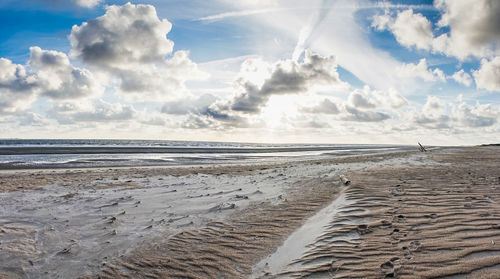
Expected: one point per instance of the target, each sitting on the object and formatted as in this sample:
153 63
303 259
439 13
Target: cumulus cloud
17 87
392 98
474 28
199 105
410 29
91 111
472 117
326 107
361 105
433 114
50 74
215 120
260 81
359 100
367 98
33 119
58 79
421 70
354 114
434 107
436 114
462 77
256 83
124 36
488 75
130 44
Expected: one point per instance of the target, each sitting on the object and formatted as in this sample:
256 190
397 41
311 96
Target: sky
279 71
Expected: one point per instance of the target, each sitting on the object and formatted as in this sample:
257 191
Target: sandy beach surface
404 215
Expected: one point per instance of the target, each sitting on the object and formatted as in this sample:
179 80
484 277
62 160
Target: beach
405 214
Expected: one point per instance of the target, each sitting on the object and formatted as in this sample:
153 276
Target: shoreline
32 150
111 157
10 179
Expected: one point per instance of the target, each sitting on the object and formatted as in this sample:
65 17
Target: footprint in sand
364 229
390 268
414 245
407 253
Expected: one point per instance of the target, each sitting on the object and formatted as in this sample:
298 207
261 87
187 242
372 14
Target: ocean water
20 154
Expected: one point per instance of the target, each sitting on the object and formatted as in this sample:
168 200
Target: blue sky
263 71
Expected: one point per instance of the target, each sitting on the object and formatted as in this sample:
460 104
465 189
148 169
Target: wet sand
405 215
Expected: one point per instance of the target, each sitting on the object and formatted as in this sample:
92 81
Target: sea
84 153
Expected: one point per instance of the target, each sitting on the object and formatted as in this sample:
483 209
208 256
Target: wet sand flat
405 215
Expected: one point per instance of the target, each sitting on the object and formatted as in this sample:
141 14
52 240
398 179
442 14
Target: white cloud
88 3
462 115
58 79
488 75
52 76
124 37
422 71
472 117
193 105
359 100
259 80
410 29
71 3
462 77
392 98
91 111
32 119
434 107
247 12
130 43
433 114
473 28
361 106
369 98
17 87
354 114
326 107
382 22
250 3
